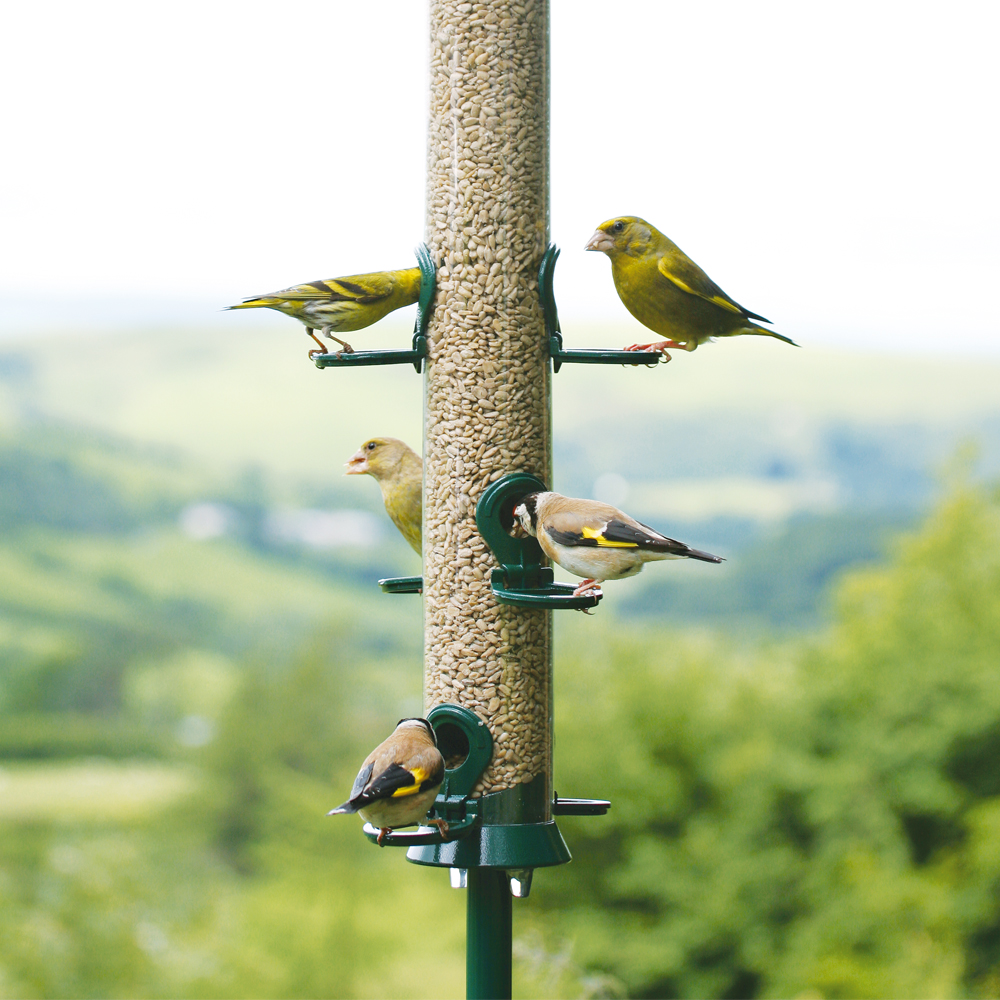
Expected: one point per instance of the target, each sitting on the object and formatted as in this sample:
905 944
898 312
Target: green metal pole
488 935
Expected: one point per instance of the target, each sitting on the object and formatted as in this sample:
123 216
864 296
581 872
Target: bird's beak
357 464
600 241
517 529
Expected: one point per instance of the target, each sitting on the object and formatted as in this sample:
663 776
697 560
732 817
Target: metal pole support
488 935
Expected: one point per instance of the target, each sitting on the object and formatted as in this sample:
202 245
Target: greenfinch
399 472
399 780
342 304
595 540
667 291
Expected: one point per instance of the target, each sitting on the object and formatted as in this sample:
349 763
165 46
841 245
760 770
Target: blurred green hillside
194 658
815 818
808 457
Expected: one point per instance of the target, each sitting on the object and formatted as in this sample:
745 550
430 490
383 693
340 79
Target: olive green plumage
399 472
667 291
342 304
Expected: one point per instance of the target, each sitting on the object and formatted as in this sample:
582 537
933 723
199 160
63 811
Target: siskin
667 291
595 540
399 780
399 472
342 304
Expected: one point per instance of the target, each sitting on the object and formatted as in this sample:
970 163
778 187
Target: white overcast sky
832 165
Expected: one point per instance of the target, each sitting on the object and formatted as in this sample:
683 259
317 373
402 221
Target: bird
399 780
667 291
342 304
399 472
595 540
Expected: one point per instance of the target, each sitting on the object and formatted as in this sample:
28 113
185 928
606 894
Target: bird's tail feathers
762 332
704 556
343 810
262 302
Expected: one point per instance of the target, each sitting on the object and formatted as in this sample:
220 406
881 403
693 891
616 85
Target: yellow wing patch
717 300
419 774
607 543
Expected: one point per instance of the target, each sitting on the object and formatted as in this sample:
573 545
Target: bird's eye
618 226
371 445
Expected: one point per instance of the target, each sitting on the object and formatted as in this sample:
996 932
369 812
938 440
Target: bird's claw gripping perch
660 346
442 826
322 346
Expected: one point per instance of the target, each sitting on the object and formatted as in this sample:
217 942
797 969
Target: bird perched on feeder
399 779
667 291
342 305
399 472
595 540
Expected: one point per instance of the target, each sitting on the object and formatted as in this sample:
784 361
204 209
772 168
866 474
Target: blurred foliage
818 819
778 583
812 816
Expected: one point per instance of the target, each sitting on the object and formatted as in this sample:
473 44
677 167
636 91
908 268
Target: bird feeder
487 339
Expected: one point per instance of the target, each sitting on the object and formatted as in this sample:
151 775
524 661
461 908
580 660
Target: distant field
99 791
728 448
254 398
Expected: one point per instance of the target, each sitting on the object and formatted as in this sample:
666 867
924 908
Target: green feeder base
525 845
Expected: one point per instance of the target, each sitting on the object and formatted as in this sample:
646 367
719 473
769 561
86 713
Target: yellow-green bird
399 472
342 304
667 291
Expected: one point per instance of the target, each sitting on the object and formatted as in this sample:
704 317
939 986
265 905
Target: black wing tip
704 556
343 810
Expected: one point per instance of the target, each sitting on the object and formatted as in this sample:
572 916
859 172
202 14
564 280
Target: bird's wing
567 528
351 805
591 529
364 776
397 781
678 268
364 289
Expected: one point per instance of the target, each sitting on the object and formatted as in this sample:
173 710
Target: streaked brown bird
342 305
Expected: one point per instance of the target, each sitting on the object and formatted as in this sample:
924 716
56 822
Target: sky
831 166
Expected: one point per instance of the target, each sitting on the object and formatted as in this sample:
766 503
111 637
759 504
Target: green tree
816 818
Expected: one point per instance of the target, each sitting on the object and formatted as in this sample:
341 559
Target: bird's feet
442 826
322 346
383 832
660 347
589 588
345 347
